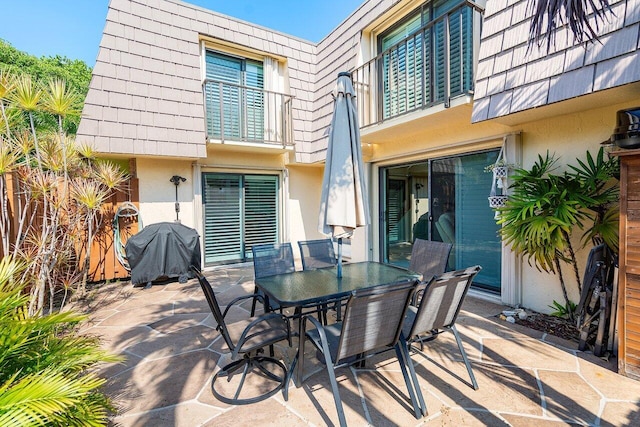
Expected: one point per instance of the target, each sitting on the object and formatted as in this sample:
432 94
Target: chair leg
464 357
290 376
334 384
247 365
253 303
412 382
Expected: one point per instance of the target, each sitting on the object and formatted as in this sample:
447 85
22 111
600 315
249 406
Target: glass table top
312 286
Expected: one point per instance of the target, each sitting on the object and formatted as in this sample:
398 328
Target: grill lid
627 131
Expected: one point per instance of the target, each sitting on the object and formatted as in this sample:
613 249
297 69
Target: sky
73 28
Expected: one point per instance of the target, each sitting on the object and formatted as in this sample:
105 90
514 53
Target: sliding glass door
445 199
239 212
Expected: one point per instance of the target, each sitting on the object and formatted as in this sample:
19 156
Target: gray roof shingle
542 77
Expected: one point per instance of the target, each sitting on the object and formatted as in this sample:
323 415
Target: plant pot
500 171
497 201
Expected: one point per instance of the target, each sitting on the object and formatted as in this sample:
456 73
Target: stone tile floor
172 350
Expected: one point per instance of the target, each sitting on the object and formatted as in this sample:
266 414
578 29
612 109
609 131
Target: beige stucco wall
158 195
305 187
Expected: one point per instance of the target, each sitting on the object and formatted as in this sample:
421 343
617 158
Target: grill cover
161 251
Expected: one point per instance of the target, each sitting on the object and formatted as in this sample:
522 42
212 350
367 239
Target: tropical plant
601 194
46 373
75 74
61 188
563 311
545 208
579 15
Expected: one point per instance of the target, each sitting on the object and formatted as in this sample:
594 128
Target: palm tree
545 208
549 15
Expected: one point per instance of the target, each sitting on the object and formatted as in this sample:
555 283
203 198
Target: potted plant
500 168
545 207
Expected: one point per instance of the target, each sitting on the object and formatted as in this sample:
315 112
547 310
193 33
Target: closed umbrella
344 205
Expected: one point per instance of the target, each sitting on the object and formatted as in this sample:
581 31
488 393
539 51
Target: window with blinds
239 212
417 56
234 97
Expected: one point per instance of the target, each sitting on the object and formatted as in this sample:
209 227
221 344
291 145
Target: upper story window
426 58
243 101
234 97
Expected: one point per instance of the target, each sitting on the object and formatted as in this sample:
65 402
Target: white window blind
239 212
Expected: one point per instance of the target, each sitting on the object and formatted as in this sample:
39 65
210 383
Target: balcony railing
246 114
429 67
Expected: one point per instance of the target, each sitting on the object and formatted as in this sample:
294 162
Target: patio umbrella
343 205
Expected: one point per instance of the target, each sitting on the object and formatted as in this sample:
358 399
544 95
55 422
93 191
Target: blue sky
73 28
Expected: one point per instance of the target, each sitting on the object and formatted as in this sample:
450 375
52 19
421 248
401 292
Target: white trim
511 271
485 296
198 221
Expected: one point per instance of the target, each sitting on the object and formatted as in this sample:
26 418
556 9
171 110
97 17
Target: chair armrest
417 295
240 298
316 324
301 343
321 332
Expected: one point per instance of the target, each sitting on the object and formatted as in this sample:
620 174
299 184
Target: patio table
311 288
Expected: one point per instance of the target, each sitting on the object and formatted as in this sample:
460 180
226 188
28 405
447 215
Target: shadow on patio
172 349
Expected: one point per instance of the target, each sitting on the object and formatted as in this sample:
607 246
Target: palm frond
40 398
548 16
110 175
7 84
88 194
60 99
27 93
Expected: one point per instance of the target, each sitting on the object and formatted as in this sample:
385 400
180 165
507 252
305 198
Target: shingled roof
511 78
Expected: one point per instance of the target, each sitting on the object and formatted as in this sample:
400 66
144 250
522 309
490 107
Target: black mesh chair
371 324
428 258
317 254
268 260
437 313
247 338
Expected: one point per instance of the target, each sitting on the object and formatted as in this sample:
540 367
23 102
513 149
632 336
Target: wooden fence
104 264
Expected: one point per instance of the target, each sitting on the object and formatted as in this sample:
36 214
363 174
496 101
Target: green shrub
46 366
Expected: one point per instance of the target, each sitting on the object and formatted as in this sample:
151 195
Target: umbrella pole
339 257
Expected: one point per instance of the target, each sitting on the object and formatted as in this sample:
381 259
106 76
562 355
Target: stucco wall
158 194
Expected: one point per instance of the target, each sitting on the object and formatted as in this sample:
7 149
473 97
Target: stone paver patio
172 350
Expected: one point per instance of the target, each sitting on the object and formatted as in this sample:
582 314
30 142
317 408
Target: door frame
511 274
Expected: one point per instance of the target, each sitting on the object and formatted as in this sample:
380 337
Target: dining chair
317 254
437 313
248 338
270 259
371 324
428 258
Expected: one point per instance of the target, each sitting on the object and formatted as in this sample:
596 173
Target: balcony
247 115
429 67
